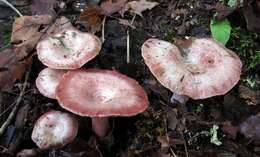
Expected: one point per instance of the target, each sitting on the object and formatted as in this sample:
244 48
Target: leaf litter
164 125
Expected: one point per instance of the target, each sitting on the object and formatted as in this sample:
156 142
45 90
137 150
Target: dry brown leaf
251 127
252 17
222 10
43 7
228 128
165 145
25 32
159 154
91 19
59 25
110 7
11 68
252 97
139 6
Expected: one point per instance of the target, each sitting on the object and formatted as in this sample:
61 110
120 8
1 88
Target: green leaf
220 30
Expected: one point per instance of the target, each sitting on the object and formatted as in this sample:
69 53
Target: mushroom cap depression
101 93
202 68
47 81
69 49
54 129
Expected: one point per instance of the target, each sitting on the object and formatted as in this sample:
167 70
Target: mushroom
100 94
69 49
200 68
54 129
47 81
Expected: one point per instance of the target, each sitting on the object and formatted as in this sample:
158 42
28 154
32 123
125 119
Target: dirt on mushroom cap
69 49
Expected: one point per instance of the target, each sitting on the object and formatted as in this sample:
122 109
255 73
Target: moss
246 45
168 31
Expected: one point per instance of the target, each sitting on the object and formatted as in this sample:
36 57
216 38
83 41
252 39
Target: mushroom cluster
94 93
197 68
65 50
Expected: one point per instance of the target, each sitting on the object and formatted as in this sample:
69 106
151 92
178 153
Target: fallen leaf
139 6
220 30
11 68
172 120
159 154
28 152
59 25
252 97
252 17
25 32
228 128
7 137
91 19
251 127
110 7
157 88
222 10
43 7
165 145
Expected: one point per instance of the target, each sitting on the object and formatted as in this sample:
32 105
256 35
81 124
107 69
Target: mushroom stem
100 126
176 98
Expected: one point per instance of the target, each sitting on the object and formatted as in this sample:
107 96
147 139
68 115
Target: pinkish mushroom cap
47 81
69 49
101 93
54 129
203 68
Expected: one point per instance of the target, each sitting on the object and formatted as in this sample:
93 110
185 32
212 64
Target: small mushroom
47 81
100 94
69 49
199 68
54 129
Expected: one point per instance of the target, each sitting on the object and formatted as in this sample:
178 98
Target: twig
7 109
11 6
167 138
16 106
127 46
128 41
185 145
99 152
103 29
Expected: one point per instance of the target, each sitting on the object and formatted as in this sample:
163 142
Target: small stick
16 106
185 145
127 46
128 42
167 138
11 6
103 29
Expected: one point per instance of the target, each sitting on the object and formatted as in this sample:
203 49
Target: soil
164 129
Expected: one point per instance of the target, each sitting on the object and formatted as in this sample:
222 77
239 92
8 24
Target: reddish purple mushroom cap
101 93
202 68
69 49
47 81
54 129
